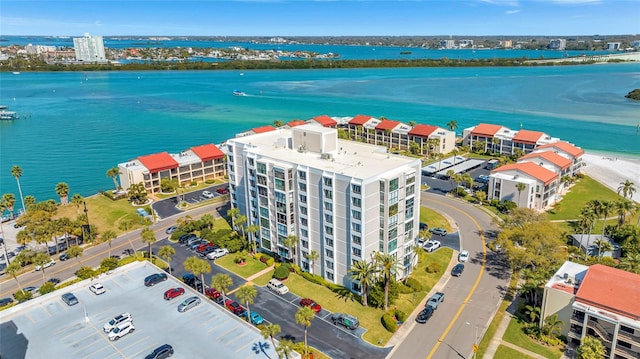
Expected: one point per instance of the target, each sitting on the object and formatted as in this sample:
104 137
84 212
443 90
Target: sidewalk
252 277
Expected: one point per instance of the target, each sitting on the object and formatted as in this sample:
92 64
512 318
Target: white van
277 286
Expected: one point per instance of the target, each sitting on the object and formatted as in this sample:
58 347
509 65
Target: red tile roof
536 171
564 287
325 121
486 130
263 129
552 157
387 125
566 147
422 130
207 152
359 120
295 123
527 136
611 289
158 162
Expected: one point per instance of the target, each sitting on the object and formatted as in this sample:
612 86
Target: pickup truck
345 320
435 300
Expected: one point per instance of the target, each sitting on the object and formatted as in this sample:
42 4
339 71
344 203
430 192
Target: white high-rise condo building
89 48
344 200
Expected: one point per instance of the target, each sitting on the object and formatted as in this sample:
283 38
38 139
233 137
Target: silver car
188 304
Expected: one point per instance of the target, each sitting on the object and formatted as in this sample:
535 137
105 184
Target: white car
207 194
117 320
220 252
97 288
46 265
463 256
277 286
431 245
121 330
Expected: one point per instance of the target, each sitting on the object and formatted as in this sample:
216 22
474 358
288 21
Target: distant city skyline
321 18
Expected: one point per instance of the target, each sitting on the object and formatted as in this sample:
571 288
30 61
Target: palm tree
62 190
251 231
624 207
75 252
233 213
533 312
603 247
269 331
16 172
167 252
40 260
137 193
631 263
605 208
198 267
553 326
291 242
8 202
13 269
241 222
520 187
627 188
452 125
451 176
312 256
222 282
77 200
207 220
113 173
29 201
304 315
108 236
285 348
363 272
148 237
388 266
247 294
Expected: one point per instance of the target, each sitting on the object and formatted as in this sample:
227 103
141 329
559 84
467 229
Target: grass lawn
252 267
504 352
370 317
582 192
493 327
263 279
515 335
434 219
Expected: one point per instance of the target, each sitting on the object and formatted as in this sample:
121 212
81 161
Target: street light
86 214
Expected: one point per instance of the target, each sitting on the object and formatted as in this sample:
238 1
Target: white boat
16 72
238 93
7 115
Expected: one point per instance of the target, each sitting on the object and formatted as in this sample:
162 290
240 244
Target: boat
238 93
16 72
7 115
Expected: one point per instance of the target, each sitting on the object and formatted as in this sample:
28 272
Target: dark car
5 301
222 190
70 299
173 293
64 257
154 279
162 352
306 302
423 226
234 307
348 321
192 281
186 237
424 315
457 270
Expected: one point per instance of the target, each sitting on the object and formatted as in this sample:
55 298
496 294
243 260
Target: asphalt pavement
169 207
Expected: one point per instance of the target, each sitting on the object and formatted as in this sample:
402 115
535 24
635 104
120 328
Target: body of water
76 125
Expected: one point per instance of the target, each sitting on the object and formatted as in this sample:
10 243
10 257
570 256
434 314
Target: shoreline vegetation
634 95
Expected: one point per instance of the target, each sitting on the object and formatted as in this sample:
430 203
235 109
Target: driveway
168 207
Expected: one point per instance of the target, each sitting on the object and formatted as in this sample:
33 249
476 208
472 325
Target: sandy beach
611 171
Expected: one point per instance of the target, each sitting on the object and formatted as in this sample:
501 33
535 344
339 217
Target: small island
634 95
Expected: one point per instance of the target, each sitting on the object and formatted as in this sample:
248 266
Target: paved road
471 299
167 207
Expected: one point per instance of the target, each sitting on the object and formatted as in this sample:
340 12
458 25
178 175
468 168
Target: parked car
208 250
463 256
63 257
70 299
46 265
220 252
196 243
233 306
207 194
431 245
222 190
192 281
5 301
423 226
31 289
173 293
204 246
212 293
277 286
457 270
121 330
348 321
306 302
115 321
255 319
424 315
435 300
154 279
97 288
171 229
438 231
162 352
188 303
186 237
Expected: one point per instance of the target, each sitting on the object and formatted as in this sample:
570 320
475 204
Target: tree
13 269
304 315
62 190
312 256
8 202
363 272
148 237
222 282
533 313
247 294
270 331
75 252
113 173
108 236
291 242
233 213
520 187
40 260
29 201
251 231
77 200
167 252
631 263
590 348
605 208
552 325
16 172
388 266
284 348
207 220
451 176
603 247
137 193
627 188
452 125
622 208
198 267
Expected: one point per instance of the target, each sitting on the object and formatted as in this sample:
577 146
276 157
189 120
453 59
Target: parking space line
103 347
136 342
29 317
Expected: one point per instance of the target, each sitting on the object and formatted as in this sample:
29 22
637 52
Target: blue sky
320 17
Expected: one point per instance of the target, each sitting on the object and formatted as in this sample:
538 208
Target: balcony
628 337
600 331
626 353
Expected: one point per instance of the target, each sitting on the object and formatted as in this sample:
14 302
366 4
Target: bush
22 296
241 257
389 323
68 283
434 267
85 273
258 256
210 181
400 315
109 264
281 273
270 262
375 297
413 284
47 287
403 289
193 183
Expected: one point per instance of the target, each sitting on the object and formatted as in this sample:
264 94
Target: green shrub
403 289
270 262
85 273
413 284
434 267
375 298
210 181
22 296
258 257
109 264
400 315
241 257
47 287
193 183
68 283
389 323
281 273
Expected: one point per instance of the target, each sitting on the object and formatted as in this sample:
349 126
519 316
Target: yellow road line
475 285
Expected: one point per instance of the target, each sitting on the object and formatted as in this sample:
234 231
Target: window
356 227
329 242
303 198
264 222
251 162
328 263
381 186
356 239
302 175
278 173
356 252
393 209
328 218
328 253
304 233
356 214
328 230
264 212
329 275
356 202
411 179
262 168
409 191
393 197
281 197
356 189
393 185
328 194
303 221
328 206
327 181
279 184
393 245
282 229
305 244
302 186
303 210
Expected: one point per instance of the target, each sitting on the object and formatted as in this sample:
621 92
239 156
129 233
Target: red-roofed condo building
502 140
198 164
597 301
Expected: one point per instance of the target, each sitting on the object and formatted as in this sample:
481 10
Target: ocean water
76 125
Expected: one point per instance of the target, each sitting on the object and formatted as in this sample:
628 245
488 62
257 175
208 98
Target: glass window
329 242
328 206
328 194
327 181
328 218
329 253
329 275
279 184
393 245
328 230
356 189
262 168
356 252
302 175
356 202
304 233
355 227
356 239
302 186
303 198
393 185
356 214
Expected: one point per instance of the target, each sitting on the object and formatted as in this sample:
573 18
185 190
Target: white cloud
576 2
509 12
513 3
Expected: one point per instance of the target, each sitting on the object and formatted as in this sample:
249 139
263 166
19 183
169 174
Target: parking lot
47 327
168 207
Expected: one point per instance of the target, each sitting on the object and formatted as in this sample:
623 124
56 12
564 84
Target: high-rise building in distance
89 48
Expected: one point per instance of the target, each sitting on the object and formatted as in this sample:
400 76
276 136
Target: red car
222 190
173 293
202 247
211 293
306 302
233 306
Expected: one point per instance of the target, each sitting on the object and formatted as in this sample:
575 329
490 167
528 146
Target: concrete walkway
252 277
497 340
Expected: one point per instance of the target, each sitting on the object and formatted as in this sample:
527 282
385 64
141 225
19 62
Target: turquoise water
77 125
